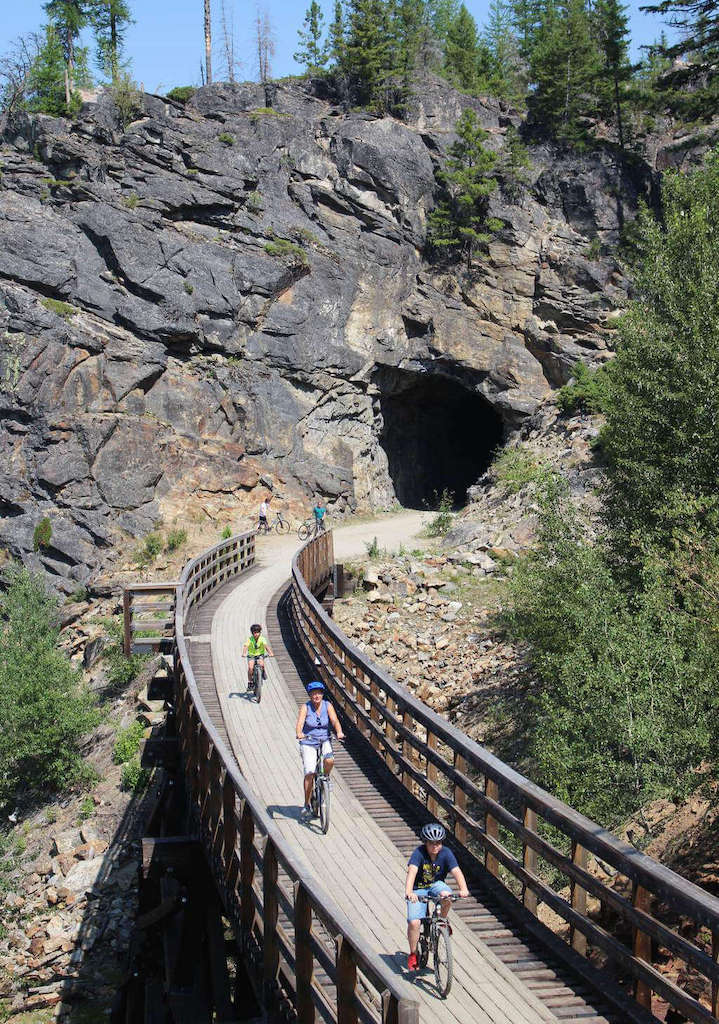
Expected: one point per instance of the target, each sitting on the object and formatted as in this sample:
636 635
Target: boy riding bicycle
427 869
314 720
255 648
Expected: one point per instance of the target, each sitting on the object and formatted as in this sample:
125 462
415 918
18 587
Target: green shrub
226 532
189 288
175 539
441 523
150 549
42 535
120 670
181 93
283 247
517 467
127 99
226 138
259 112
594 249
127 743
45 711
588 391
63 309
87 808
254 202
131 201
373 548
134 778
79 595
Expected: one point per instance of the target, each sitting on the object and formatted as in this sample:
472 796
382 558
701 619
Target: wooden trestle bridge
319 920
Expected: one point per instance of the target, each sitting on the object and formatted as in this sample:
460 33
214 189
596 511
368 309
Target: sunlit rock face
226 291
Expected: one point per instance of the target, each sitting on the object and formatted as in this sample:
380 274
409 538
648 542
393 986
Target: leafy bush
517 467
149 550
44 710
134 777
42 534
181 93
127 743
441 523
87 808
588 391
594 250
127 100
226 138
120 670
282 247
175 539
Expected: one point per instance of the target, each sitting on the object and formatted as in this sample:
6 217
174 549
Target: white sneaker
306 813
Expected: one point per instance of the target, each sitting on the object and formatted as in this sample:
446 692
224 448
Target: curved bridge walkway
499 975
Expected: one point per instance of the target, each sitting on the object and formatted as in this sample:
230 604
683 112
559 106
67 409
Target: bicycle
320 798
258 676
435 937
310 528
279 525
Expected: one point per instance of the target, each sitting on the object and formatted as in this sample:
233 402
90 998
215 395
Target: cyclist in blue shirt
427 869
314 720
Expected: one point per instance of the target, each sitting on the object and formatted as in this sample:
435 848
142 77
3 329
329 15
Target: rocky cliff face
226 290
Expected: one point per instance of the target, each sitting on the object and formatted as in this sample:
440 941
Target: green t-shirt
256 648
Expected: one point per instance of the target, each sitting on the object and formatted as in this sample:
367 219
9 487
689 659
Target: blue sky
166 43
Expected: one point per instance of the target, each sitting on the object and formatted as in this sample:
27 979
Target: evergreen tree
110 19
565 66
68 17
441 14
613 31
505 78
368 51
460 221
462 51
336 37
312 52
697 24
45 90
514 164
526 21
409 22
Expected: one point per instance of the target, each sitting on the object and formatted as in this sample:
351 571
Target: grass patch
134 777
517 467
175 540
181 93
63 309
282 247
188 287
42 535
226 532
131 201
588 391
226 139
259 112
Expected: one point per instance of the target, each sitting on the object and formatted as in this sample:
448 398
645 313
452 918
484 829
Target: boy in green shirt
255 649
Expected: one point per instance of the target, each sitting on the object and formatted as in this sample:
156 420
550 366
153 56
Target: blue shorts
416 911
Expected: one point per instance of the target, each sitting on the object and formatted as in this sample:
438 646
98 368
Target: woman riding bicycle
427 869
314 720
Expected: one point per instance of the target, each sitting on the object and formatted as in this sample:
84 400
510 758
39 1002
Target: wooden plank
529 857
491 826
642 944
577 939
304 964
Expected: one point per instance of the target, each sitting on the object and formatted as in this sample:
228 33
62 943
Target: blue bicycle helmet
433 833
315 685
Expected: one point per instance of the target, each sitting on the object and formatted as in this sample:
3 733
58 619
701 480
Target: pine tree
336 37
526 21
565 66
409 22
368 51
312 52
462 51
68 17
460 221
45 90
109 20
613 31
697 25
505 78
441 14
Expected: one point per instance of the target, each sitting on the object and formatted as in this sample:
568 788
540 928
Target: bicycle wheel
303 532
324 796
282 526
443 961
257 676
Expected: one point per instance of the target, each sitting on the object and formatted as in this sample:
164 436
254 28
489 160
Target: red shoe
412 964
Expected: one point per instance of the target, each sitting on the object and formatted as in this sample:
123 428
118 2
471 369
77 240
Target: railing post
270 908
578 940
715 984
407 750
491 826
642 947
460 797
374 713
432 775
304 964
346 982
229 833
247 869
127 621
529 860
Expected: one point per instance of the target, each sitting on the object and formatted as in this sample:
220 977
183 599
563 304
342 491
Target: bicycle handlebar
439 899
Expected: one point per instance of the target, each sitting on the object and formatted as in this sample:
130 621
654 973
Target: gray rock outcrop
224 290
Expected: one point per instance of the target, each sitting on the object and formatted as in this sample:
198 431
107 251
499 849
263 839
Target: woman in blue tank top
315 719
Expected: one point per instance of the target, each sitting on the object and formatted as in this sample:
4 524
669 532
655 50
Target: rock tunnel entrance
437 433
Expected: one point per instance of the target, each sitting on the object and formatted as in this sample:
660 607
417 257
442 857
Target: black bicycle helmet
433 832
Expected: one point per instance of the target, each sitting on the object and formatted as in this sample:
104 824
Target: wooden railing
148 611
523 834
290 928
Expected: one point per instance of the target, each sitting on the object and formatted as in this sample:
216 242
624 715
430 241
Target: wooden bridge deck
502 974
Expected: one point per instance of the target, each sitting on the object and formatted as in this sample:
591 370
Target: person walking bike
314 720
427 869
263 525
319 512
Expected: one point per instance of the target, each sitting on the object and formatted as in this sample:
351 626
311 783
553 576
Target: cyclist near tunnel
427 869
254 649
314 720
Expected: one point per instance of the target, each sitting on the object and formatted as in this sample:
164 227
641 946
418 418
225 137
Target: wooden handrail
439 764
238 833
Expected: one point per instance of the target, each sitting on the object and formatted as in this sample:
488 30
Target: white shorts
309 755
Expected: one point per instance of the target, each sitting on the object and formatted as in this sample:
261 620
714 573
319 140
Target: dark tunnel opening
437 434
